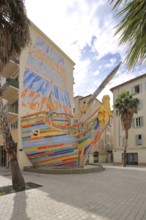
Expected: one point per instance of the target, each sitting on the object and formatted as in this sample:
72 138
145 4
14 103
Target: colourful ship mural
54 139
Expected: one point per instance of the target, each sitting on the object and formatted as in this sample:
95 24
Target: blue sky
84 30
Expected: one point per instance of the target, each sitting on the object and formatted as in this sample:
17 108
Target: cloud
96 73
84 30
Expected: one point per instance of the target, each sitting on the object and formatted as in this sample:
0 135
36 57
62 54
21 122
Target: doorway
95 157
2 156
132 158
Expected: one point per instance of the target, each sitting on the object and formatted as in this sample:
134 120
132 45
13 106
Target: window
35 133
139 139
14 125
137 88
15 107
138 122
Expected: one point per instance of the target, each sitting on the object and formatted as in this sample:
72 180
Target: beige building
29 82
102 151
136 151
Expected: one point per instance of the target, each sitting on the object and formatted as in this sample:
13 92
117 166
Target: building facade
136 150
101 152
41 79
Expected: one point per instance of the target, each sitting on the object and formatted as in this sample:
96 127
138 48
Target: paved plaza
113 194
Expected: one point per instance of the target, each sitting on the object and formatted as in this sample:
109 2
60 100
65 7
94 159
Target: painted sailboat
54 139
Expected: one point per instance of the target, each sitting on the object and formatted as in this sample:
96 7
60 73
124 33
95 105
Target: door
2 156
132 158
95 157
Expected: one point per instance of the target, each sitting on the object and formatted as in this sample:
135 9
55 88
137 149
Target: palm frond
117 3
14 29
132 30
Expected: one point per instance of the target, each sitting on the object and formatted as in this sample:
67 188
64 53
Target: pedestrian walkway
128 167
114 194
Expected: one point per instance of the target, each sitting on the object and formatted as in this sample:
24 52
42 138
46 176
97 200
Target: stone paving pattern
113 194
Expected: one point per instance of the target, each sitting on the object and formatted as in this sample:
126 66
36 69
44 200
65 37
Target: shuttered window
137 122
136 89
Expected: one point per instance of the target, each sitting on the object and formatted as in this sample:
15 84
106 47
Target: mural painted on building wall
50 139
44 80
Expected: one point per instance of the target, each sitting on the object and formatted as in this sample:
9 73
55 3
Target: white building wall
53 76
118 133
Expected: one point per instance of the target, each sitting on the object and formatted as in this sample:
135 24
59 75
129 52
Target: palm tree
126 105
14 36
132 29
14 30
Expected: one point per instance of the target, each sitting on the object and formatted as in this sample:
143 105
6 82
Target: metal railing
9 82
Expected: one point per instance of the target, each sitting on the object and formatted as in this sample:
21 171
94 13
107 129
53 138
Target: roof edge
131 80
47 38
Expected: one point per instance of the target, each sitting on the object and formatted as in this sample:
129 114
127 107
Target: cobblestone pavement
113 194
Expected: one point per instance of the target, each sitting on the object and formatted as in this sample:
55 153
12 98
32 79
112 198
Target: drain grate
5 190
7 174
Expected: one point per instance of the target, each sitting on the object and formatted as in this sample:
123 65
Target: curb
49 170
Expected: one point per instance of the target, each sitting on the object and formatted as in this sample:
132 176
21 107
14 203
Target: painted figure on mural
84 108
104 111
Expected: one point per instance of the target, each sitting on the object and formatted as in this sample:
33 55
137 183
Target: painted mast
104 83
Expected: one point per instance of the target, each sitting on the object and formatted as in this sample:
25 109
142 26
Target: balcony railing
11 68
11 111
9 108
10 82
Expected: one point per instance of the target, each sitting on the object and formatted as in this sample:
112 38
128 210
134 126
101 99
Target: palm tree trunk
125 149
17 178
